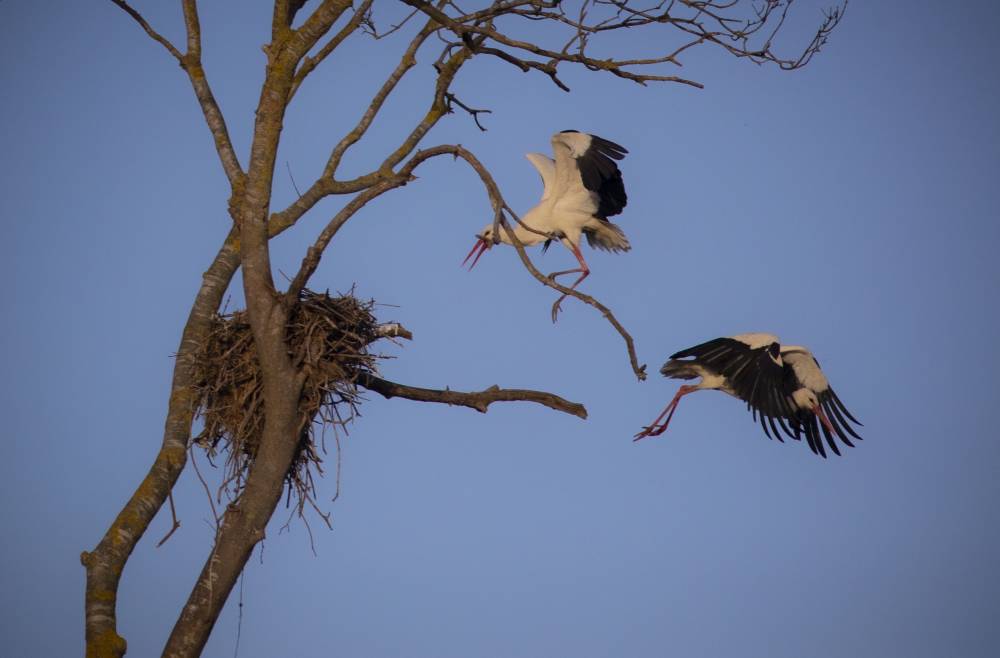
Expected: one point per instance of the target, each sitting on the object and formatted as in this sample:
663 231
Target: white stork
583 187
780 383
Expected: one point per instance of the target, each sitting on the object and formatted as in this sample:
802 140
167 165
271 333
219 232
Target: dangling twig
176 523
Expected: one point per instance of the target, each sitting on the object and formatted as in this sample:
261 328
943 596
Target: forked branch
191 63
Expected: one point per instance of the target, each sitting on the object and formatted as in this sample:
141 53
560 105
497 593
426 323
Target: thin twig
156 36
370 29
292 178
453 100
173 515
239 619
336 491
208 492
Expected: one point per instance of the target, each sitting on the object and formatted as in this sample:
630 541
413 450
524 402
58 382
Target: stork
778 382
582 188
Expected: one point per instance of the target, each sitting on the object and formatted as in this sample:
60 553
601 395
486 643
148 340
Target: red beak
823 419
478 249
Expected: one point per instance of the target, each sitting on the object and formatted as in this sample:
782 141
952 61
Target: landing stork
583 187
778 382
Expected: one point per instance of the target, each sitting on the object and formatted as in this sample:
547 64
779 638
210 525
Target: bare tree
454 36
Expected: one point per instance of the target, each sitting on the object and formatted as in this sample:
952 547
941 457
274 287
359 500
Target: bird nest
328 339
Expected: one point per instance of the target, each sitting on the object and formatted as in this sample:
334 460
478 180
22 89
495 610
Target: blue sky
851 207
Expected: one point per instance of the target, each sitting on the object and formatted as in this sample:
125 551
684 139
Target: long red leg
584 273
649 430
654 428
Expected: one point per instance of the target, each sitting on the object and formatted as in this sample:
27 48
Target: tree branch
462 29
325 185
156 36
191 63
193 26
216 122
310 63
105 563
313 255
447 70
319 190
319 23
479 401
393 330
406 62
293 8
281 18
707 22
639 370
471 111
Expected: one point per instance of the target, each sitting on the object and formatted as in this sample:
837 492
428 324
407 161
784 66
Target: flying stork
583 187
778 382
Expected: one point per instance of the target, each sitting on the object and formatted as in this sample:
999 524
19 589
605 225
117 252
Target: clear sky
851 207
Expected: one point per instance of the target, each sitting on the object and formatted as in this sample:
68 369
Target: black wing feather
751 373
836 421
775 401
811 425
843 408
774 428
784 427
601 175
833 411
705 350
829 439
764 426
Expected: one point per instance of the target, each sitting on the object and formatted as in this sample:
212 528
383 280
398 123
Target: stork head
806 398
484 240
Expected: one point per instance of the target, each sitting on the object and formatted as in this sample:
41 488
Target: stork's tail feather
679 370
607 236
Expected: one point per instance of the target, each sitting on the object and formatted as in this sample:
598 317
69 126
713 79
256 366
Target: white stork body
582 188
783 384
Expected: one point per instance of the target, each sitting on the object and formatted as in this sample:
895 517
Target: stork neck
526 237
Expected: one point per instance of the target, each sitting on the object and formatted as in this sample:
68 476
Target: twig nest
328 339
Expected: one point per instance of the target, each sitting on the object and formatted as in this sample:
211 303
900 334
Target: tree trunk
245 520
105 563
